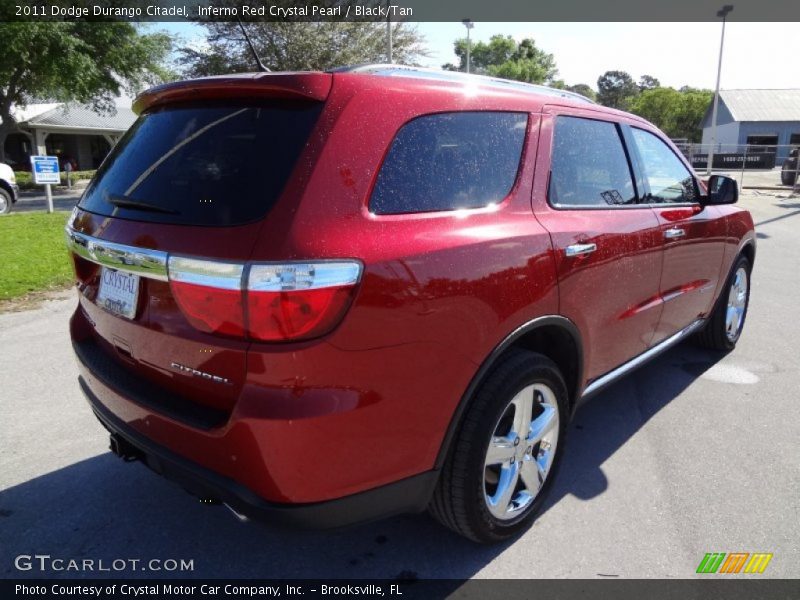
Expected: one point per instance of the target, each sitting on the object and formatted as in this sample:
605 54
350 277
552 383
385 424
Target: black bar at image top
401 10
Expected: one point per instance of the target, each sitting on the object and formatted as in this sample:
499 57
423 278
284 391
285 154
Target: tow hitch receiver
124 449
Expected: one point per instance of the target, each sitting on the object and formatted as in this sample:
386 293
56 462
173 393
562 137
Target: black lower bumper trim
142 392
408 495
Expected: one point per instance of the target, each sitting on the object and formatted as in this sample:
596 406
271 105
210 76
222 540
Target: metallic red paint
370 402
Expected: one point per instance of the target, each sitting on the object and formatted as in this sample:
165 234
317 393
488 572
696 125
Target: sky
756 56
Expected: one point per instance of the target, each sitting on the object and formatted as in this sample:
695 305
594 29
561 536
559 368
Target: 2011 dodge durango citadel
322 298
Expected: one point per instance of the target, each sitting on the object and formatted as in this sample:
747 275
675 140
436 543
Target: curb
767 187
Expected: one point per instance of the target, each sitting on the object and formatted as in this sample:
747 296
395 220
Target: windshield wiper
124 202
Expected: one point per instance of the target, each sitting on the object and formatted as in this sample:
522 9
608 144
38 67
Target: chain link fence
753 165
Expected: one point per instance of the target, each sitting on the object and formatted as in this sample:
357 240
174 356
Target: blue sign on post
45 169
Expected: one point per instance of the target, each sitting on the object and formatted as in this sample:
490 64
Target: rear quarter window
589 167
202 165
450 161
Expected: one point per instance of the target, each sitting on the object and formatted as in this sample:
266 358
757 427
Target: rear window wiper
125 202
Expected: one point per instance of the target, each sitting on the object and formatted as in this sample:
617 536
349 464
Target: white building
748 118
72 132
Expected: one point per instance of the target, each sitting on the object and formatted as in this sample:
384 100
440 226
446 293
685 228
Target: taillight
290 301
209 294
267 302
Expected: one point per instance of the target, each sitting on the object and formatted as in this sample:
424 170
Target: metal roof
762 105
393 70
83 117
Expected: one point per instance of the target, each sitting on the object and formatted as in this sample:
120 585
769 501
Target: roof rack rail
396 70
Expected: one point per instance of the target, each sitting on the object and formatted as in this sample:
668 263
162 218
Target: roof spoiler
284 86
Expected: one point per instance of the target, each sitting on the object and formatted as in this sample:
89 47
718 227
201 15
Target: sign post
45 172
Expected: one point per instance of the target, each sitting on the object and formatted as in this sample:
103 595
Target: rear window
202 165
450 161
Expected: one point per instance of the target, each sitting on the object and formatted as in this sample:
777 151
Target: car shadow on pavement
103 508
606 422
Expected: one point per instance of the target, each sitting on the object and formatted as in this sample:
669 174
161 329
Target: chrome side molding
131 259
636 362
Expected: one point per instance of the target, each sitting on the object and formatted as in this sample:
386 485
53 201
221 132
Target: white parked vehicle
8 189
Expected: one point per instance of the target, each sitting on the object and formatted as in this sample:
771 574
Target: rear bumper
408 495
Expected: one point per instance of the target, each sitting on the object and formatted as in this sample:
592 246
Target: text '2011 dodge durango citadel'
323 298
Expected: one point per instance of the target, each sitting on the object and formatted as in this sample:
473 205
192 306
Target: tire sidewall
740 262
8 202
493 528
788 175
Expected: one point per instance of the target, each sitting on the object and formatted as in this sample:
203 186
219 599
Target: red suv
324 298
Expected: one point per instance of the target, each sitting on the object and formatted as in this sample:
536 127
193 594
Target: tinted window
589 166
210 165
668 177
450 161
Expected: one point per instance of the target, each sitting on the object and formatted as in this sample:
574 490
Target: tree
647 82
583 89
659 106
690 114
503 57
677 113
616 89
299 46
90 63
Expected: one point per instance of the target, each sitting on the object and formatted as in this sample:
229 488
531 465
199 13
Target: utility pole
469 25
723 12
388 33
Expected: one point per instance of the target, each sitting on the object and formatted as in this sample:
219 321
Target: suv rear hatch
185 192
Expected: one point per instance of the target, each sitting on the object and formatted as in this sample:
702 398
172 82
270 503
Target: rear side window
589 166
450 161
667 176
202 165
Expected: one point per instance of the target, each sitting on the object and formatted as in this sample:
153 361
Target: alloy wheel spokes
737 302
506 486
544 423
521 451
501 451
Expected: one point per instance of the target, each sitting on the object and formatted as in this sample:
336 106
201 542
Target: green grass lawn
33 256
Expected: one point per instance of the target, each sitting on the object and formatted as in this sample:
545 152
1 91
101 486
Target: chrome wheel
521 452
737 303
5 206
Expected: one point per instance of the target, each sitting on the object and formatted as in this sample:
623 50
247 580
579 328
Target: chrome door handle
674 233
580 249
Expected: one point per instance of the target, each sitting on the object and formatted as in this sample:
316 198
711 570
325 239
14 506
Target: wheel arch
748 250
554 336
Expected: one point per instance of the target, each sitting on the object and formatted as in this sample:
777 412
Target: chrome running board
636 362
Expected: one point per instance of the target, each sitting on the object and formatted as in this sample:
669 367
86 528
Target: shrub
25 178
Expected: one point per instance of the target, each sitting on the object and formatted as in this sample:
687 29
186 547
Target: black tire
459 501
5 202
788 174
715 334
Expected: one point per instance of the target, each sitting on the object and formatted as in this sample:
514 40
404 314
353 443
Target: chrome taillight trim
209 273
131 259
306 275
257 276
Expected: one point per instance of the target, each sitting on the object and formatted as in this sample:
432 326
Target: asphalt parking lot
36 200
694 453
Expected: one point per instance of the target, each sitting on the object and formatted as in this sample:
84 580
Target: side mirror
722 190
